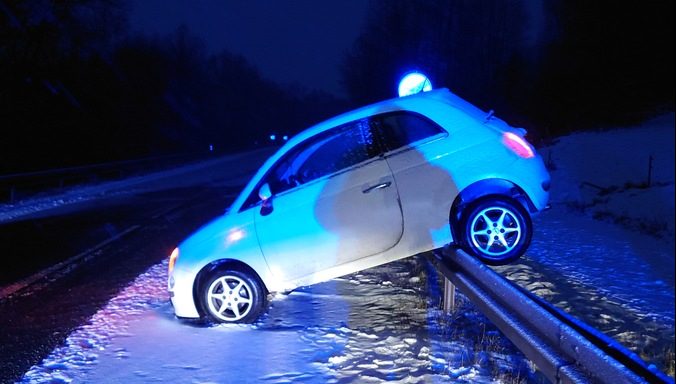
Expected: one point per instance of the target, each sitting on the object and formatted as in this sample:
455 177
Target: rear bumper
533 178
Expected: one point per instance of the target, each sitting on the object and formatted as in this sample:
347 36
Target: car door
417 150
333 202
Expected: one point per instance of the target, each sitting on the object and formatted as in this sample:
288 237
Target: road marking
65 266
69 264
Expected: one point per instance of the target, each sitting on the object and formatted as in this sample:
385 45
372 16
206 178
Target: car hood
216 228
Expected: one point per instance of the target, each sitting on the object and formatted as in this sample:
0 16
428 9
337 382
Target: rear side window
405 128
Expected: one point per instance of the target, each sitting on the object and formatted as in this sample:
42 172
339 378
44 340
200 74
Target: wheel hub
229 298
495 231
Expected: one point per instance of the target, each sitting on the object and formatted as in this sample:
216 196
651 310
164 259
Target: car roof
421 102
418 102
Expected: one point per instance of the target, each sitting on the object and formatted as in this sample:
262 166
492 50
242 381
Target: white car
370 186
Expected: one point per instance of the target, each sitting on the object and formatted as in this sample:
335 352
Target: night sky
302 41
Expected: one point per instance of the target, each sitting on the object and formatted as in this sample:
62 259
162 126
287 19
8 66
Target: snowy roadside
379 325
605 174
606 255
209 171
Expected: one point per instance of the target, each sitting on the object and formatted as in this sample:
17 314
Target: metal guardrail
563 348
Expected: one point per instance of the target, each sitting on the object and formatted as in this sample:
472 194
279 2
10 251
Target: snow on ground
617 161
632 249
618 281
375 326
607 256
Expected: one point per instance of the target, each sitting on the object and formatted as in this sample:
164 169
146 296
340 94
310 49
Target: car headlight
172 260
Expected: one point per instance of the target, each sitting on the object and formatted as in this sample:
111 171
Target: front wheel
232 296
496 230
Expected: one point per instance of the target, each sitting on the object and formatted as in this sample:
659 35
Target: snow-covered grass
605 252
606 174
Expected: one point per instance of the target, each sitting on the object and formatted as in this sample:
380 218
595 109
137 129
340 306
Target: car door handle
377 186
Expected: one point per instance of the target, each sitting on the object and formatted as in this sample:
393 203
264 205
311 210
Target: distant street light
273 137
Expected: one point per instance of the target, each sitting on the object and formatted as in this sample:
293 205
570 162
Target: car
377 184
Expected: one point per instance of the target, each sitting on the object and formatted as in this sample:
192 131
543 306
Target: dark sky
299 41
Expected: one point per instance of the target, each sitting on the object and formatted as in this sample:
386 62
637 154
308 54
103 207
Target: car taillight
172 259
518 145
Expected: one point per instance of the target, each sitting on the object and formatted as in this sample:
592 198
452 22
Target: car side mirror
265 194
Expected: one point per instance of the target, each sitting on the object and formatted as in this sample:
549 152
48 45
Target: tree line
77 88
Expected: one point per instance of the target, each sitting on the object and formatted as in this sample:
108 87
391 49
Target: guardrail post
449 296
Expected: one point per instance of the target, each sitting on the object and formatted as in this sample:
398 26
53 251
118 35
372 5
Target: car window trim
416 144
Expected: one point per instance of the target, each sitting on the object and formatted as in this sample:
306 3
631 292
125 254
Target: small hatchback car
370 186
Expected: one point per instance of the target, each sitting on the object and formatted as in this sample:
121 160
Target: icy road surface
375 326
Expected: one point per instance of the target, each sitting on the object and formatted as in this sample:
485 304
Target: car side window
340 151
404 128
323 155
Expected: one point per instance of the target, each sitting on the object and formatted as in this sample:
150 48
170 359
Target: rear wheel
233 296
497 230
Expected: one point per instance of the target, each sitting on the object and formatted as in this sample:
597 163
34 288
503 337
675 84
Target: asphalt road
36 319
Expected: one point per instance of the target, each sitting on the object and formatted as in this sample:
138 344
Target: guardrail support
449 296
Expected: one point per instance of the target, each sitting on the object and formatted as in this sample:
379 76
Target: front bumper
181 295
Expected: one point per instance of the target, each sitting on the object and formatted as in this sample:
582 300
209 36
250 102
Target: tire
233 296
496 230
